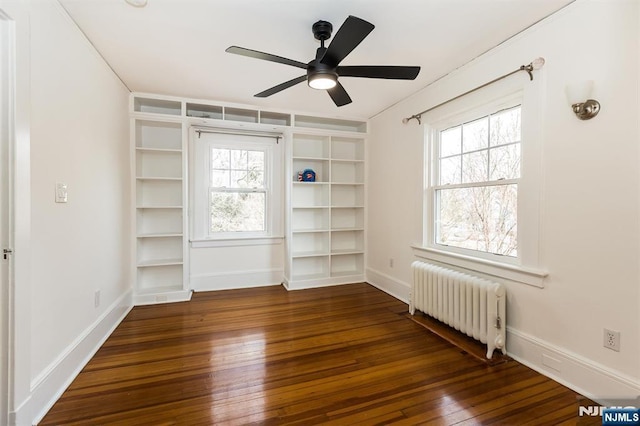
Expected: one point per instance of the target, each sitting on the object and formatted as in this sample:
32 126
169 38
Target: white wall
590 209
221 268
79 134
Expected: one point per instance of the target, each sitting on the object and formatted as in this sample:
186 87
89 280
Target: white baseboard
593 380
236 279
321 282
49 385
398 289
162 297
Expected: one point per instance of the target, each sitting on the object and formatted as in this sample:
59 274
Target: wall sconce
578 95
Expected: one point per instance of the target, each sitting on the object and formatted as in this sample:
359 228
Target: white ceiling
177 47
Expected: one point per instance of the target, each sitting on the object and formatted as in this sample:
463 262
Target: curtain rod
536 64
256 133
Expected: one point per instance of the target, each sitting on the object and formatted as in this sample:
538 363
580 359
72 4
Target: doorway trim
7 141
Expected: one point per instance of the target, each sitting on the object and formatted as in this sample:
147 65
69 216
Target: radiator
474 306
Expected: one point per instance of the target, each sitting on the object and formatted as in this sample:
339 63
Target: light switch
61 192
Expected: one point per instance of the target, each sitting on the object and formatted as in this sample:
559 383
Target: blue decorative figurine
307 175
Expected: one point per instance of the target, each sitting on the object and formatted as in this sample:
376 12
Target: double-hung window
477 173
237 186
237 190
482 183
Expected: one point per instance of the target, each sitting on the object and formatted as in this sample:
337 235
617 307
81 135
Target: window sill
236 242
520 274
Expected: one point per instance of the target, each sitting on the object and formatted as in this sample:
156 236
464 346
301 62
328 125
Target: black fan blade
350 34
280 87
265 56
382 71
339 95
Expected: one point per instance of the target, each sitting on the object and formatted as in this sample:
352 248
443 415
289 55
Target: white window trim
530 276
236 242
525 268
199 191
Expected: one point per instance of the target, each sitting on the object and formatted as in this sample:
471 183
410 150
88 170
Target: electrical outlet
96 298
611 340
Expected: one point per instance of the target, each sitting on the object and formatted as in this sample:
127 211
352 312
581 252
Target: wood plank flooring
341 355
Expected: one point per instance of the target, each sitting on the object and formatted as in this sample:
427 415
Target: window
237 186
476 190
483 169
482 173
237 190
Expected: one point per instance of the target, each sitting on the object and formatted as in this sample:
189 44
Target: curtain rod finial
417 117
537 63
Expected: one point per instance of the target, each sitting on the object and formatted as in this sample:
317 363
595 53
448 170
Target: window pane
220 178
450 171
247 179
505 162
475 135
255 179
220 158
239 159
505 127
479 218
239 179
256 160
237 211
450 141
474 167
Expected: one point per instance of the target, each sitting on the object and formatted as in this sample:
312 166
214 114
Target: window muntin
476 192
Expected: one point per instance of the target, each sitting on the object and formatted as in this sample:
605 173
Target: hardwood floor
341 355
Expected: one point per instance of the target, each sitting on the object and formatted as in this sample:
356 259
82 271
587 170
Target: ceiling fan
323 71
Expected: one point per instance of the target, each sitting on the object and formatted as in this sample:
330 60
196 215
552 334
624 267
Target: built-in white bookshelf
203 112
157 106
159 202
327 237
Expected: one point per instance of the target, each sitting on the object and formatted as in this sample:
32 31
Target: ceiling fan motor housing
322 30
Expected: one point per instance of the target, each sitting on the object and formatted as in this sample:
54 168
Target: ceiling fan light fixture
323 81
